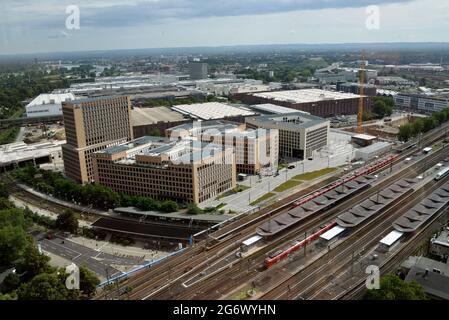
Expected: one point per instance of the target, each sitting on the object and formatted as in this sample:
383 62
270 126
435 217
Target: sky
32 26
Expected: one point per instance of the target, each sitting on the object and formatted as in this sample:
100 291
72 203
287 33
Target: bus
442 174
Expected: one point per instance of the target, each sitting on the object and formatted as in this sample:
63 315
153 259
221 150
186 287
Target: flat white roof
364 136
251 240
305 95
274 108
51 98
391 238
332 233
20 151
211 110
427 149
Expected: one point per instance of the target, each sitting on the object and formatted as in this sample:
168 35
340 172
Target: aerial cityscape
224 150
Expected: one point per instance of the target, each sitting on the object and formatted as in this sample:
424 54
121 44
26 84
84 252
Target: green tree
88 281
33 262
393 288
169 206
45 286
11 282
405 132
67 221
3 190
13 241
193 209
381 109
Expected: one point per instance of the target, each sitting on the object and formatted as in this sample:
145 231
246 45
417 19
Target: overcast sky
28 26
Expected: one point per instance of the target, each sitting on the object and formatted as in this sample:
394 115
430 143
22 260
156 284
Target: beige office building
185 170
91 125
256 151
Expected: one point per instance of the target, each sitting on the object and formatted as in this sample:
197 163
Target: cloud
114 13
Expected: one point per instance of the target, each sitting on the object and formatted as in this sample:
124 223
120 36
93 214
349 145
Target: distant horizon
400 45
62 26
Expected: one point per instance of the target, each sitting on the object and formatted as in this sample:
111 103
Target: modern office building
317 102
185 170
256 151
421 103
299 133
198 70
91 125
47 104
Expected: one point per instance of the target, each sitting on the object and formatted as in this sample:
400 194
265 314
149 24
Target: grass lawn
314 174
287 185
262 198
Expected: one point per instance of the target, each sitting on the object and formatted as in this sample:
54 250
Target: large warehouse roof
211 110
51 98
142 116
305 95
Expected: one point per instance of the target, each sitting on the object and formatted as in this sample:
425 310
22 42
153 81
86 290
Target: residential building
185 170
299 133
91 125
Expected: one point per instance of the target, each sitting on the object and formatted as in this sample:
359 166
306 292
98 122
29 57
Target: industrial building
256 151
317 102
93 124
18 153
212 110
185 170
299 133
421 103
47 104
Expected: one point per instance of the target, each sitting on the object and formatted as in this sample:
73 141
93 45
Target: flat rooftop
212 110
51 98
288 121
20 151
273 108
143 116
305 95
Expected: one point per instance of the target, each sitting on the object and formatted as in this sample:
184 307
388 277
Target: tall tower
91 125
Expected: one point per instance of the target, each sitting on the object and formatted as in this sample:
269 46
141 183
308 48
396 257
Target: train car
427 150
282 254
440 175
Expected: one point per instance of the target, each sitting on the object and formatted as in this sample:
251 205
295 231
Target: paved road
339 153
96 261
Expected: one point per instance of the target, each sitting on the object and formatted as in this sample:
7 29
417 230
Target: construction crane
361 93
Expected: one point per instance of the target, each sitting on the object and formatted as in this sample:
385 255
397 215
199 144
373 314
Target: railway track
311 280
159 278
228 278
